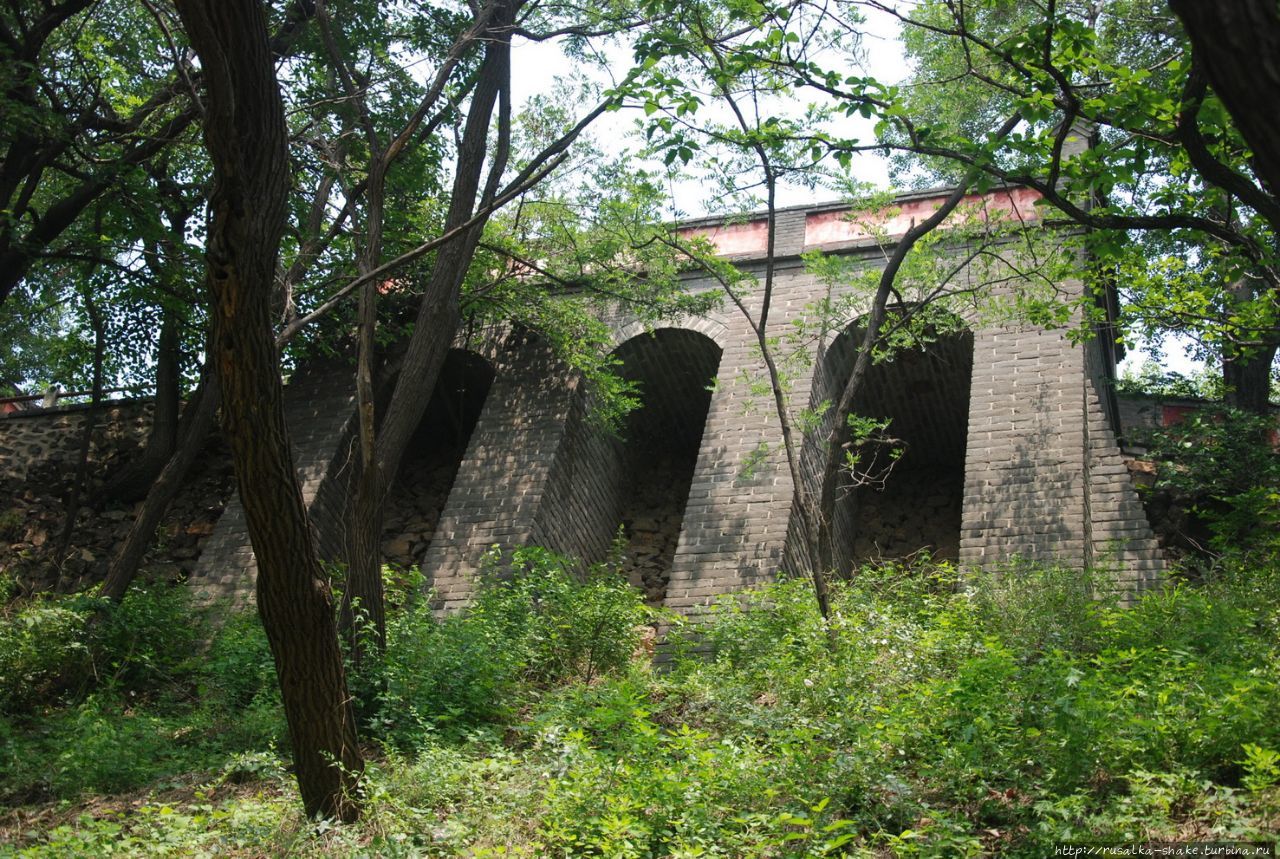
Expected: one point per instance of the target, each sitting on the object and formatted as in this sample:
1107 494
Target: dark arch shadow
674 370
638 480
924 392
433 457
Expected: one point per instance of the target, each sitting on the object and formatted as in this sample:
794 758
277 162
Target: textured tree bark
1246 370
362 620
1237 43
246 137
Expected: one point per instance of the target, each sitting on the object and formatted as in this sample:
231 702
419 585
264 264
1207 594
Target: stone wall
918 511
39 455
42 438
503 476
1121 540
651 522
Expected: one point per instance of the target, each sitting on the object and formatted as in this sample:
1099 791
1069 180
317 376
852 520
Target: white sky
537 66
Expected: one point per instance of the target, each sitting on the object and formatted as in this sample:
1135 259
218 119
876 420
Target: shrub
148 639
237 687
1224 464
44 651
52 645
238 668
1037 608
533 624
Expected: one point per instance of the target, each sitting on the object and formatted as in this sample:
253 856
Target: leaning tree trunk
246 137
363 616
439 312
80 481
134 480
197 420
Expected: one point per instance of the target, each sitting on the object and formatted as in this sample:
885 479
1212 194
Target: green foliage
1224 462
97 697
1151 379
55 645
1041 608
933 715
533 624
237 668
1188 236
42 649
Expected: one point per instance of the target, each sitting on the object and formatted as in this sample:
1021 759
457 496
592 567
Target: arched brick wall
1043 476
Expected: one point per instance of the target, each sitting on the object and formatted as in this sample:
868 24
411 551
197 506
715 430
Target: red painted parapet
833 228
836 227
751 237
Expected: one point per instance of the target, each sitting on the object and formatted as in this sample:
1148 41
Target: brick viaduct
1012 453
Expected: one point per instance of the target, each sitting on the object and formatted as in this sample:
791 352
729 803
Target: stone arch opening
431 462
638 480
924 392
674 370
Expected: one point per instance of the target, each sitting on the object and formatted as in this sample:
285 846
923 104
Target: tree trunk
81 479
363 615
134 480
198 420
246 137
1237 42
362 620
1247 378
439 313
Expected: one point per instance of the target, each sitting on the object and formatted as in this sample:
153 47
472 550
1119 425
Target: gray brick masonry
1043 478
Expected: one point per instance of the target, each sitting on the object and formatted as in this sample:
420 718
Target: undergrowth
932 716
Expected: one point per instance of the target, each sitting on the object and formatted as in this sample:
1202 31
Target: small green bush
1223 464
534 623
44 651
238 669
1038 608
149 640
236 686
55 647
105 698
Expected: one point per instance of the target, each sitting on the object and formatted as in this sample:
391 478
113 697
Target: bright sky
537 66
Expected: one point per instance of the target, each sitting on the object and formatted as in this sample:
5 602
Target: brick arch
712 328
488 342
925 393
429 468
1045 478
639 479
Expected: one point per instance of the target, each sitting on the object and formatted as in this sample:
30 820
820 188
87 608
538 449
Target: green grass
931 717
